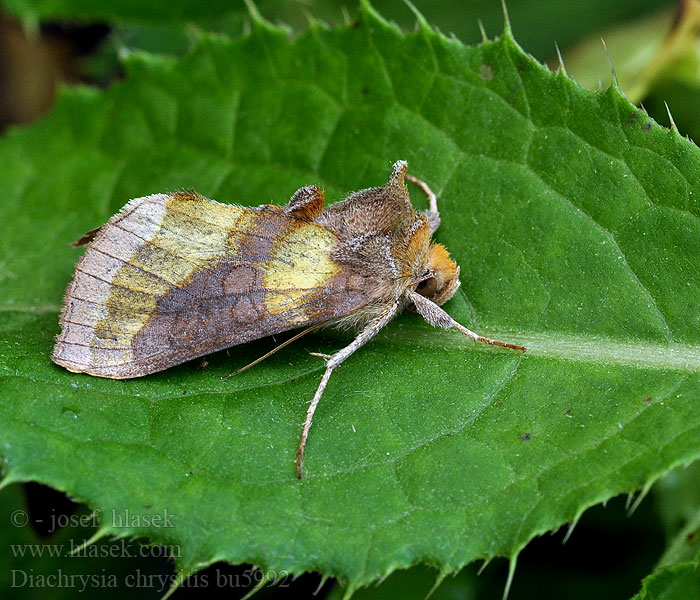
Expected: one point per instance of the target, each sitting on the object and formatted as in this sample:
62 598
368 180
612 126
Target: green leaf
633 48
574 219
418 583
539 24
677 497
677 574
672 583
656 61
610 550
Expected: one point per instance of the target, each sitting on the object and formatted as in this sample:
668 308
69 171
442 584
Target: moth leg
437 317
369 331
271 352
432 213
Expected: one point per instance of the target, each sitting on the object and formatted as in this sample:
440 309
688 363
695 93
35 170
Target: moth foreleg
369 331
437 317
432 213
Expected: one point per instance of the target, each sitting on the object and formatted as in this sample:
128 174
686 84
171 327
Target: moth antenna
369 331
275 349
432 213
437 317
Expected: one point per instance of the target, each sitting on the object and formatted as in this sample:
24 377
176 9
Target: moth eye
427 287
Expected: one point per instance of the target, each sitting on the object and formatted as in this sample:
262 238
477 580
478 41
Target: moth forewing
173 277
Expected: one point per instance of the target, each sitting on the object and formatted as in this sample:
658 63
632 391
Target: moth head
440 278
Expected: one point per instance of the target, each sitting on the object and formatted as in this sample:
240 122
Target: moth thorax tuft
443 275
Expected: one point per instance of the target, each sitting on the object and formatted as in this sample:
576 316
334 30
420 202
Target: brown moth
173 277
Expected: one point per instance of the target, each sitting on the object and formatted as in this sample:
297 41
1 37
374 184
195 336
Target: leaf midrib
574 348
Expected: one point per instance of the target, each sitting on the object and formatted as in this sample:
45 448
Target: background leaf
677 574
656 61
538 23
572 215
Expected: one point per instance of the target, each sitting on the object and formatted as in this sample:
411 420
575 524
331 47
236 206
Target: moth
173 277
